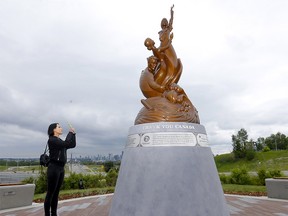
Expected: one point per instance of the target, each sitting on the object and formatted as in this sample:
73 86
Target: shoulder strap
46 148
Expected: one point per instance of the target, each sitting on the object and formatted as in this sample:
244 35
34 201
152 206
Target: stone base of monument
168 170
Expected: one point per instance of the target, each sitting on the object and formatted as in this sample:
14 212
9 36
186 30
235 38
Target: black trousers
55 177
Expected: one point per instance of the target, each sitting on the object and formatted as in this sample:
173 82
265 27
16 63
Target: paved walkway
100 205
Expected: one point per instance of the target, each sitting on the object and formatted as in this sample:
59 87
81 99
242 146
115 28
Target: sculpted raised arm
171 18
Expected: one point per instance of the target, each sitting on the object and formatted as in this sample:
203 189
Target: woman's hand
72 130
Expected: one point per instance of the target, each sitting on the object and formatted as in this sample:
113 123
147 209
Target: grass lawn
69 194
251 190
271 160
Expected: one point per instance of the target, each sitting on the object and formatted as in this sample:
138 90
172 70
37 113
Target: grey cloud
79 62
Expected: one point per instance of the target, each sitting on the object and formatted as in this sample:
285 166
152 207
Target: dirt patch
10 184
258 194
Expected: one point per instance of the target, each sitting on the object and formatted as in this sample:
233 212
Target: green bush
94 181
111 177
225 179
41 183
254 180
266 149
29 180
225 158
240 176
108 165
89 181
72 181
275 173
250 155
263 174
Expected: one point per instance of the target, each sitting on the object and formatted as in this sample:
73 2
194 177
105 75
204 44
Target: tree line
243 147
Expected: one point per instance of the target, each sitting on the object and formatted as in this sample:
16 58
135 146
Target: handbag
44 158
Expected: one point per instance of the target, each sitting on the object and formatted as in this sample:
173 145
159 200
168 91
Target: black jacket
58 148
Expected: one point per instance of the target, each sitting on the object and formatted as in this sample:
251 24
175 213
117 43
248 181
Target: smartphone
70 126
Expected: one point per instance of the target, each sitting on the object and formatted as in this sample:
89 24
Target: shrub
41 183
89 181
266 149
108 165
225 158
111 177
29 180
71 182
240 176
250 155
275 173
225 179
254 180
263 174
94 181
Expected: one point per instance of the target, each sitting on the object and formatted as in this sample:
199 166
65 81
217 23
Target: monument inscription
167 134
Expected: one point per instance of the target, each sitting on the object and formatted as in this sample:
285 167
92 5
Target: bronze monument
165 100
168 133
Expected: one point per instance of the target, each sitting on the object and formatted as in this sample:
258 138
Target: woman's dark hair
51 129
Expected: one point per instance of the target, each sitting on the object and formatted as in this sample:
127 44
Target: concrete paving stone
100 206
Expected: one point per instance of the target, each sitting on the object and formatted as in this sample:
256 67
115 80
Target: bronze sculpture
165 100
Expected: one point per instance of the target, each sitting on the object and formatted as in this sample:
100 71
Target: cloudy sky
79 61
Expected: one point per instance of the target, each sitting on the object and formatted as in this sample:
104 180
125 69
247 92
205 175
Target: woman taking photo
58 158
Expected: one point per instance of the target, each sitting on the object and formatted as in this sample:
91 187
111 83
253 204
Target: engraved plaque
167 134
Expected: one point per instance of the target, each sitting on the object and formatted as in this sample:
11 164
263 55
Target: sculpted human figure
171 67
161 69
176 94
149 84
164 35
174 67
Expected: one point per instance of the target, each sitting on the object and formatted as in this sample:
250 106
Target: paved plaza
100 205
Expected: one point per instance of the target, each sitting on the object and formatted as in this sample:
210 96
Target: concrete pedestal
277 188
17 195
168 178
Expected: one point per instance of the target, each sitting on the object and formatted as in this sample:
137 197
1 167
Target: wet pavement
100 205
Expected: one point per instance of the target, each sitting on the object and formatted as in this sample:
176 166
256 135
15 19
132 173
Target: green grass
20 168
272 160
244 189
3 168
96 168
68 194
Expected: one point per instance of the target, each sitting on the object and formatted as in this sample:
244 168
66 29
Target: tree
250 149
239 143
277 141
281 141
108 165
260 144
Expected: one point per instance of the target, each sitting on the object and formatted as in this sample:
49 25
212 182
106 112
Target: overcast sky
80 61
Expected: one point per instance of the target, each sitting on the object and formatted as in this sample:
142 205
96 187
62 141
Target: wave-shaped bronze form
166 100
